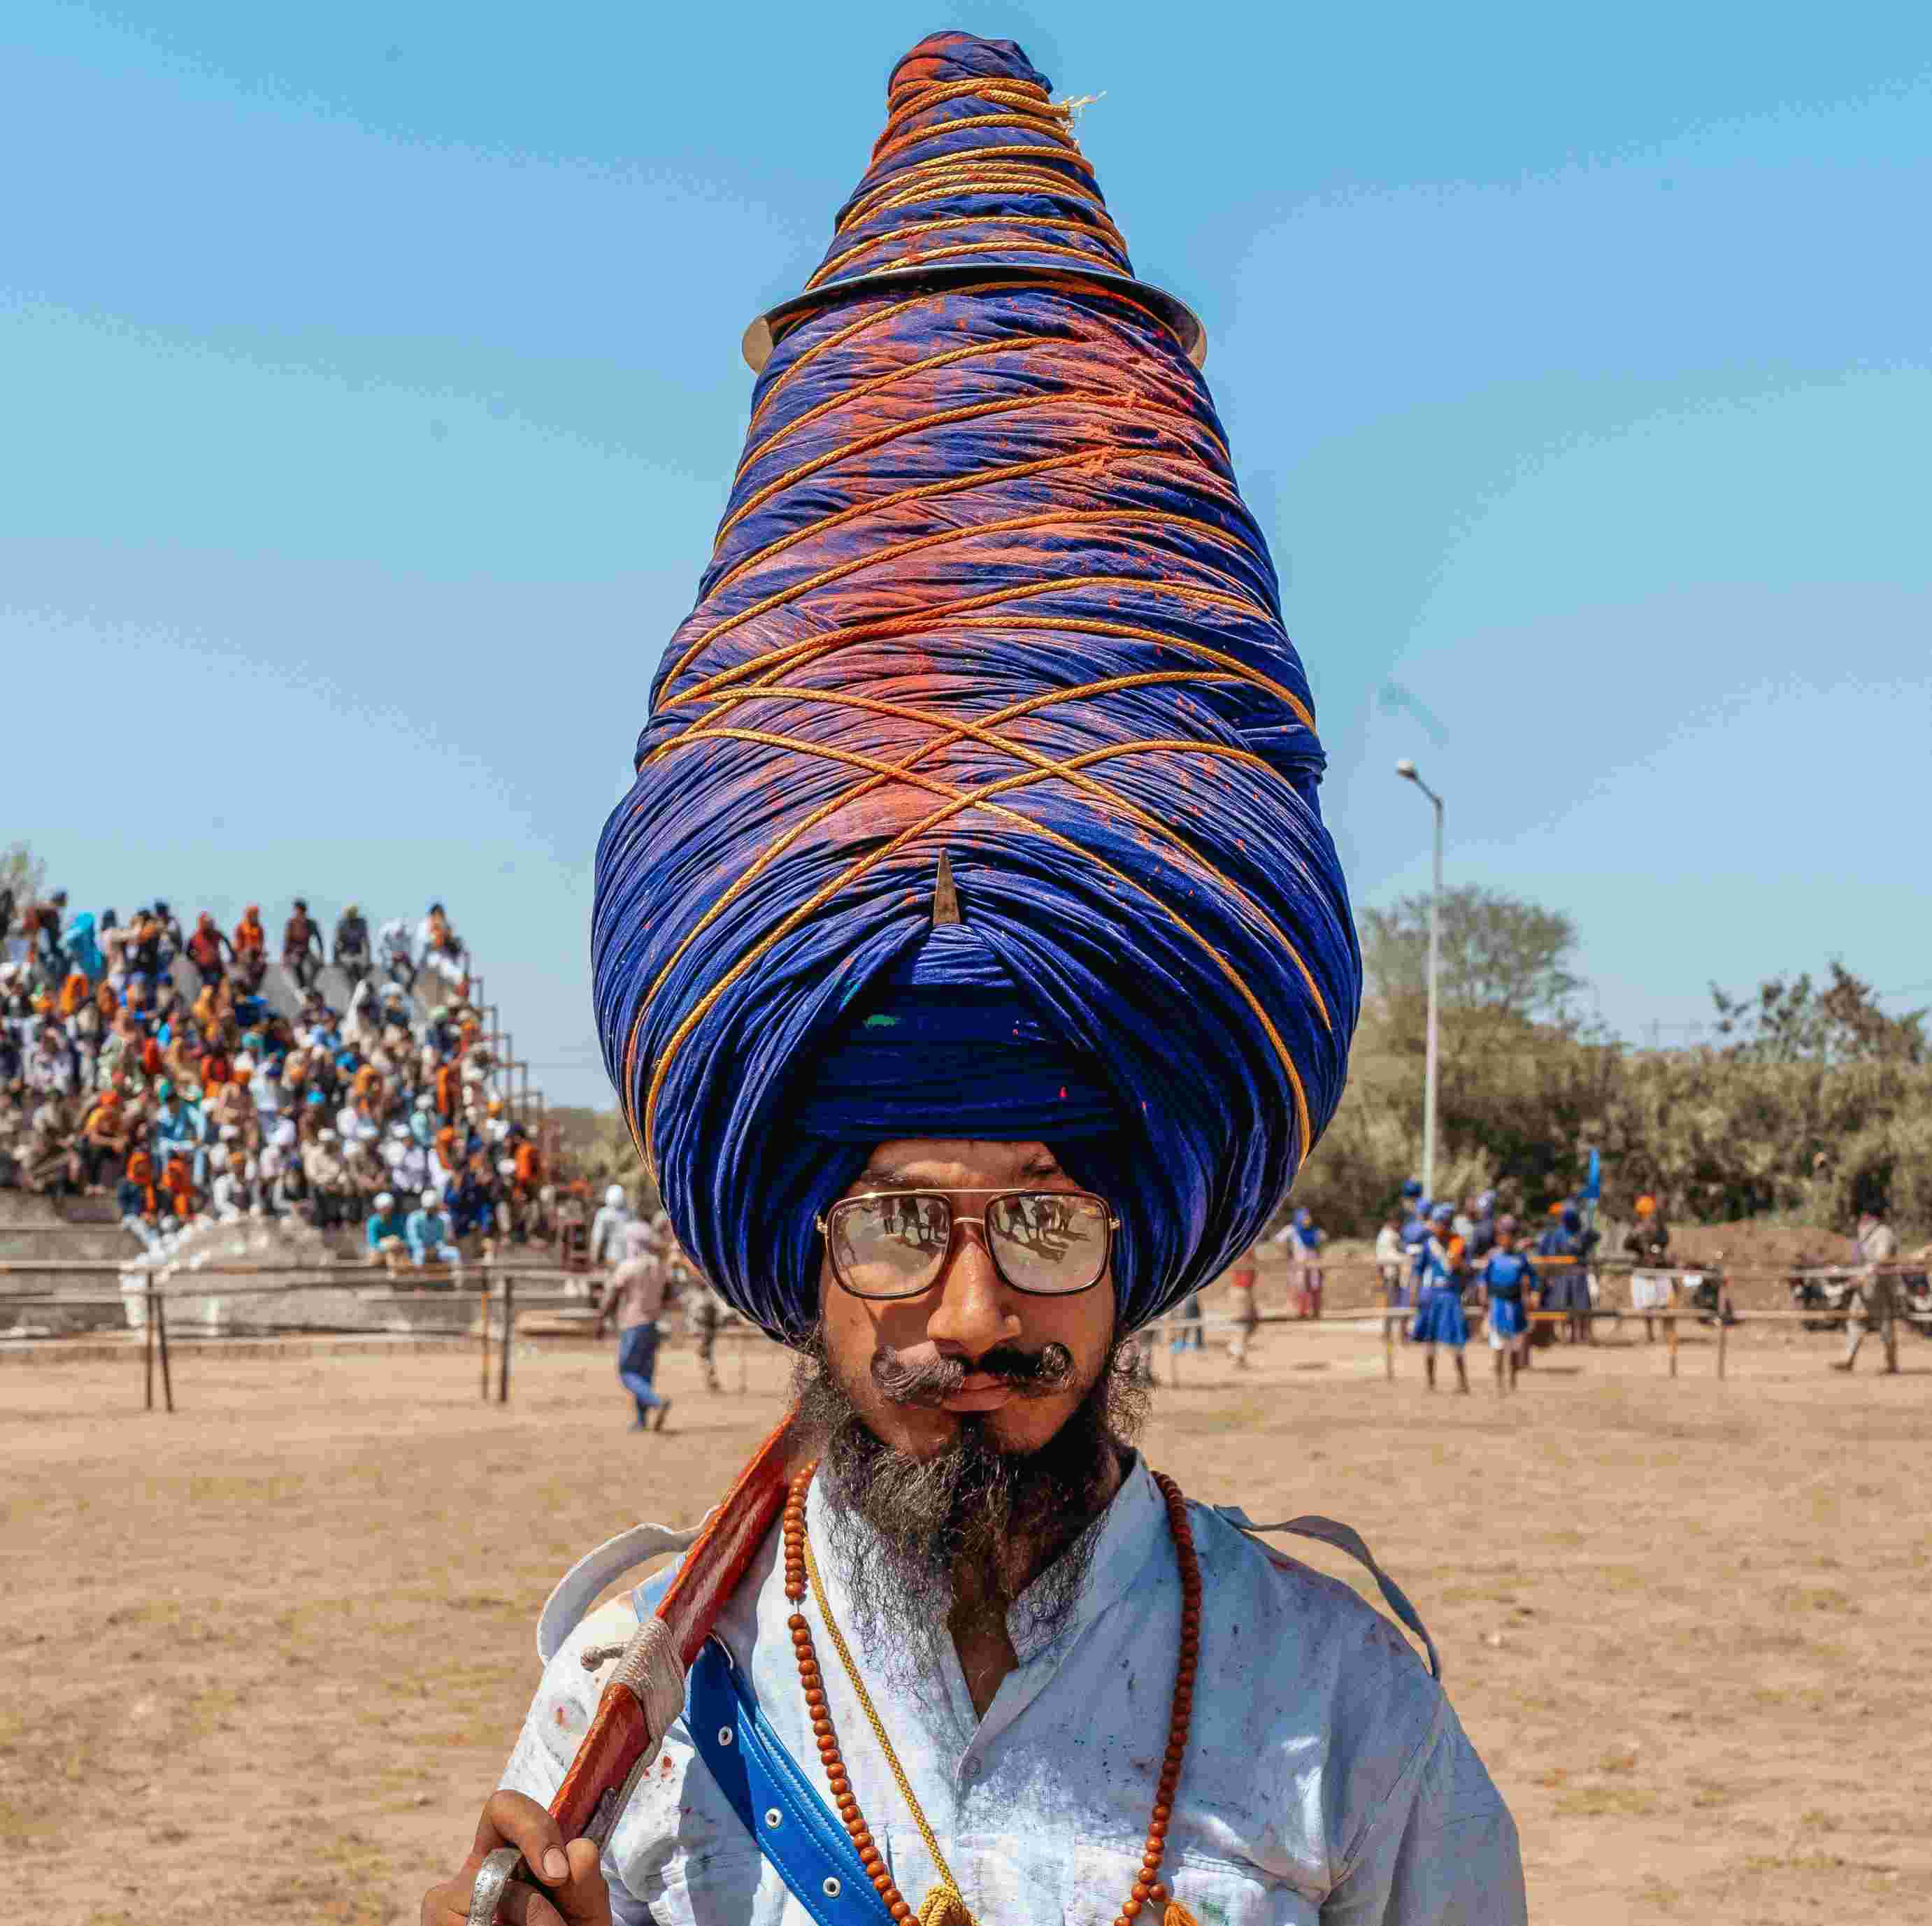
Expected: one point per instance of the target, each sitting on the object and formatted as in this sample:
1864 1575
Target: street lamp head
1406 769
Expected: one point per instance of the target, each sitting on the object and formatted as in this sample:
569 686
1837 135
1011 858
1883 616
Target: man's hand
575 1894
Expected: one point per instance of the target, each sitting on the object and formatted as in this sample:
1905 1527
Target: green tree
1794 1021
598 1148
21 875
1499 954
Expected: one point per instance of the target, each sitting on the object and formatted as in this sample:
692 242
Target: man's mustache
931 1380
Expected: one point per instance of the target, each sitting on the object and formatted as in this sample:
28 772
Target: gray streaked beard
969 1529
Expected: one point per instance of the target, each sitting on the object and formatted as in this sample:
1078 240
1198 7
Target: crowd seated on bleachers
183 1094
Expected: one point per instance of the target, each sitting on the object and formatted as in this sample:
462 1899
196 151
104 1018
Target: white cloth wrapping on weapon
648 1666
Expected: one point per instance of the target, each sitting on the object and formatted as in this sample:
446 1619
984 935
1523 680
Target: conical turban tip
976 182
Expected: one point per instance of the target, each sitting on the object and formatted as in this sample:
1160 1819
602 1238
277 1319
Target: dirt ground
266 1656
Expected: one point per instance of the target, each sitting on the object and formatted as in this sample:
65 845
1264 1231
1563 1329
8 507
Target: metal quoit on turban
978 793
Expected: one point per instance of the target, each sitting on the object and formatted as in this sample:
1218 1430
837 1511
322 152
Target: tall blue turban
985 589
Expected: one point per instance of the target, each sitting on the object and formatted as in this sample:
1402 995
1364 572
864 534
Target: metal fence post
161 1339
509 1332
483 1324
147 1344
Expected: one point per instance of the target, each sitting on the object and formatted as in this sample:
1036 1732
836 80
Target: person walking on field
1438 1317
1390 1256
1189 1314
1567 1289
704 1314
1648 1241
634 1297
1875 1301
1507 1278
1247 1319
1304 1242
1413 1236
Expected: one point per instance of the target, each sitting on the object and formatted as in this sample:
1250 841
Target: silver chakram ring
492 1876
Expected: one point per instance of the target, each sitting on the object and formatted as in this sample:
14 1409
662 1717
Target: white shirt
1326 1780
606 1232
354 1128
1388 1246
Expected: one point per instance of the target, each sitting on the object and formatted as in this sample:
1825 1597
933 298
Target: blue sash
795 1829
804 1839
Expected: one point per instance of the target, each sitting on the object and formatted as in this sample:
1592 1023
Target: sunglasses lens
1047 1242
890 1246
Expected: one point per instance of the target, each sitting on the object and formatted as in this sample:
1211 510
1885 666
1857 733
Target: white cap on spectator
506 1166
613 1197
431 1199
399 1130
385 1200
229 1132
326 1135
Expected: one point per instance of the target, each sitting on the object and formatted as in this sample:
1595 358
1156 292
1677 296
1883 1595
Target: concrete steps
76 1231
77 1243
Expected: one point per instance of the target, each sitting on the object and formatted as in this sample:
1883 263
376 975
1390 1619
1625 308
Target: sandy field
266 1657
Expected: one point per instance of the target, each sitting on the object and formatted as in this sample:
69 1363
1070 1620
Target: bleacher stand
197 1083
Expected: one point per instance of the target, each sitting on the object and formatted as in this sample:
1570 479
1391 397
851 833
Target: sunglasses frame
823 1224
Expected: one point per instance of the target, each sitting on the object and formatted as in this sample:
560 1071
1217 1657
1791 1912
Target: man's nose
974 1310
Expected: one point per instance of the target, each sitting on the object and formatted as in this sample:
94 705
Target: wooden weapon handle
620 1739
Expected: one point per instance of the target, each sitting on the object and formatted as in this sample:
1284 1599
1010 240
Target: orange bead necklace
945 1903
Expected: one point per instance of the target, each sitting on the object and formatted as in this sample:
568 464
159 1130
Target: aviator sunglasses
894 1244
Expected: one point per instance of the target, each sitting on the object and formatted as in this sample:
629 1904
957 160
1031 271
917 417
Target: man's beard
922 1542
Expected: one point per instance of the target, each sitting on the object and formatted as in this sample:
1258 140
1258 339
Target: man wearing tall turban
976 973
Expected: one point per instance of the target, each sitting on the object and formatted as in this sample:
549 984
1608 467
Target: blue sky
371 384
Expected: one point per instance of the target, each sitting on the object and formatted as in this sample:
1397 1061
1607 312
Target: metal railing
499 1305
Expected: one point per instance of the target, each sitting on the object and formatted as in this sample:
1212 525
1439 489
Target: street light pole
1407 771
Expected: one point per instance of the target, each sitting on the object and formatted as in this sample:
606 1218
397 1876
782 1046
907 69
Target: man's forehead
955 1163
